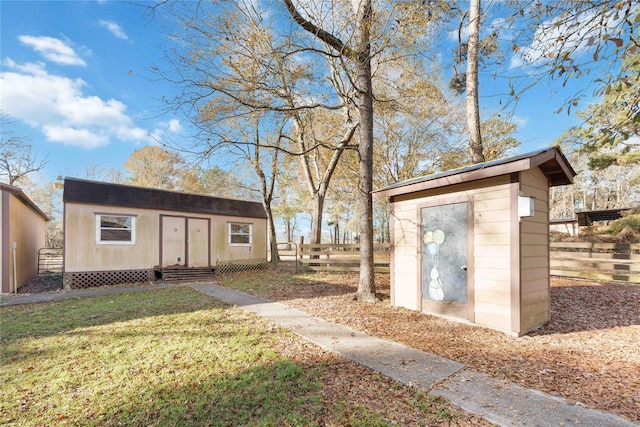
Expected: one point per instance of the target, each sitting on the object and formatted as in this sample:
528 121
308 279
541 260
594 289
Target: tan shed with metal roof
117 233
472 244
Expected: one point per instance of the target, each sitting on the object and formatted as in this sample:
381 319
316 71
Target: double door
185 241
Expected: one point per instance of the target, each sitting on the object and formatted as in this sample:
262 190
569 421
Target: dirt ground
589 352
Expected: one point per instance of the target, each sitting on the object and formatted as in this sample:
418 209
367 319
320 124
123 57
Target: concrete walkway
500 402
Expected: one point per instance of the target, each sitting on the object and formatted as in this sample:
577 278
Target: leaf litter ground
588 353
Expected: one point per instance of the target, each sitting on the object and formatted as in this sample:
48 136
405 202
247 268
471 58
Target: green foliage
631 222
614 122
601 162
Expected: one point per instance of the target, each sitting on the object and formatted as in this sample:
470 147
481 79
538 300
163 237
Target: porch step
179 275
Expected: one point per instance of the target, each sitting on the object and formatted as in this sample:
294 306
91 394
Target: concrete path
500 402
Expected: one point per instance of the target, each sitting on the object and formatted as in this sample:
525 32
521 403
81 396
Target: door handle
463 268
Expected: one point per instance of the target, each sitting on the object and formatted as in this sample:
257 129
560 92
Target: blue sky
77 79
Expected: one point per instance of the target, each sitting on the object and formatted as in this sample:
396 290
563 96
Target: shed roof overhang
24 199
589 217
551 162
109 194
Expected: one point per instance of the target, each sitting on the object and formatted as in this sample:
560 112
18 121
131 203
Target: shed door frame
470 309
186 237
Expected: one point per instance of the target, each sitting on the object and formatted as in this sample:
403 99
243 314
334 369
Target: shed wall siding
4 225
491 247
27 230
405 239
534 253
82 253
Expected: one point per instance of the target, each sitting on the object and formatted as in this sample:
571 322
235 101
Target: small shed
22 234
117 233
587 218
472 244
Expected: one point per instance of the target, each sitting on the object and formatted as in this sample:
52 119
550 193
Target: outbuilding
472 244
22 234
117 233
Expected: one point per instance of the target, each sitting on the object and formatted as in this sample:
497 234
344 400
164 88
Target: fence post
299 253
274 254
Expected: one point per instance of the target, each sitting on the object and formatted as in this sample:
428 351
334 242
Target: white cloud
575 34
175 126
57 106
519 121
114 29
166 130
71 136
54 50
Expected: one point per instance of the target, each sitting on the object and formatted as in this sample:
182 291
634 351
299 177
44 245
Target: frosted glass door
444 241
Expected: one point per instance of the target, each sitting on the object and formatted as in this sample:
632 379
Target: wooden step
179 275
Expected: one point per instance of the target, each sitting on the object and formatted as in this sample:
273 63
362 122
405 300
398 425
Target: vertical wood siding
27 230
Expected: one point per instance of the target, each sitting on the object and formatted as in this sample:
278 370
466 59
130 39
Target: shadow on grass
280 393
285 284
72 316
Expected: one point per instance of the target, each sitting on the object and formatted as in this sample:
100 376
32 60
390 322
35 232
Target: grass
260 281
163 357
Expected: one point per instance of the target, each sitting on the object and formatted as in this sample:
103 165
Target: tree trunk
271 230
473 105
361 56
316 218
366 286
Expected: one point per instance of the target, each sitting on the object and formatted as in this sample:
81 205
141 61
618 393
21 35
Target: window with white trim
239 234
115 229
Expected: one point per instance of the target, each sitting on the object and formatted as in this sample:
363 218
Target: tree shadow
315 285
74 316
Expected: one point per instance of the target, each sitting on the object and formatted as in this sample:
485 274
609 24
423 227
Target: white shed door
173 241
198 242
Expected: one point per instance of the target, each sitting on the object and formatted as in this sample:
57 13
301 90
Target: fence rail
599 261
339 257
50 261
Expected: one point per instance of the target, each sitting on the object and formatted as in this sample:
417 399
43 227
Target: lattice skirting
92 279
232 266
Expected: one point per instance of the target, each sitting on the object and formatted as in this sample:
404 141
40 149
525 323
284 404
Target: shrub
630 221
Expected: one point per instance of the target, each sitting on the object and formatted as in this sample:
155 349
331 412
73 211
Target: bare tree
473 104
16 157
236 67
359 52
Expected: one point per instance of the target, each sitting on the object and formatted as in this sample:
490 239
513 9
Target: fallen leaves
588 352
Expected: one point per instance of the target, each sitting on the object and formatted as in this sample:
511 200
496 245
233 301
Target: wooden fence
50 261
599 261
339 257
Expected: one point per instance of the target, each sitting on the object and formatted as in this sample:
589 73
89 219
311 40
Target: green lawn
158 358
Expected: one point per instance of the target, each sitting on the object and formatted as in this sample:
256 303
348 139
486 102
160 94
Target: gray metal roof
550 160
